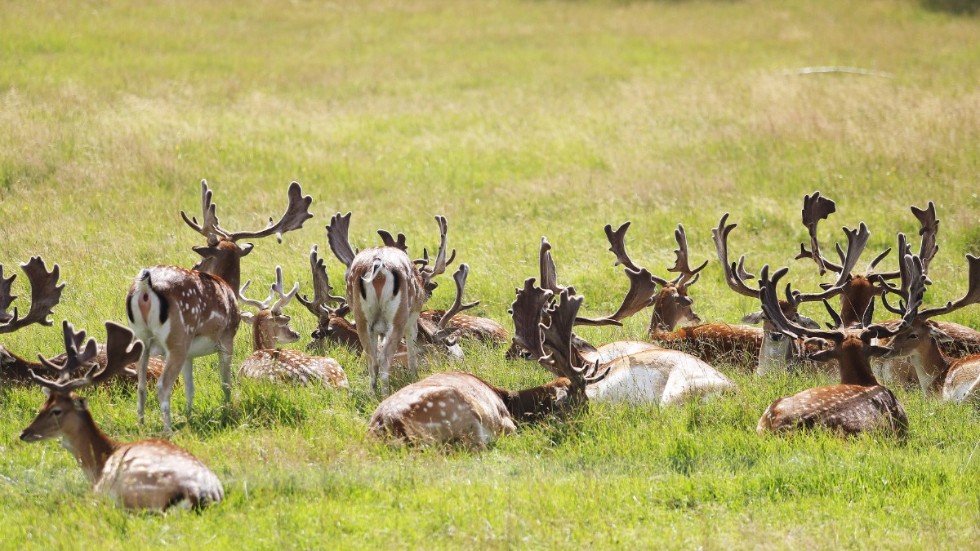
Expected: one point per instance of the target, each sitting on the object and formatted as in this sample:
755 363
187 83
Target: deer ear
807 322
753 318
248 318
206 252
824 355
939 335
246 248
875 351
80 403
46 391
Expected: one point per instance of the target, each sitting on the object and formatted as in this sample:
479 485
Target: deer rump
657 376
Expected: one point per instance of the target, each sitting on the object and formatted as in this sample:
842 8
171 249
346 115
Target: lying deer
46 294
270 327
148 474
858 403
184 314
461 408
921 344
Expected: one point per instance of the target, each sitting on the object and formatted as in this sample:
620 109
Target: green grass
515 120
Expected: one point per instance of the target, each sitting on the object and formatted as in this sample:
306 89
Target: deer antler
337 236
549 273
321 289
121 351
460 278
526 312
687 276
856 241
617 245
815 209
390 241
439 266
279 290
263 305
928 229
563 361
972 295
643 286
770 306
297 212
45 294
208 227
735 274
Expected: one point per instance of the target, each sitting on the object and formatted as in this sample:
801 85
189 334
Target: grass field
515 120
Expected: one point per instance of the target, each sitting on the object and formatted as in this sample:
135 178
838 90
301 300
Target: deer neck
90 446
855 368
855 300
13 366
931 365
534 404
263 332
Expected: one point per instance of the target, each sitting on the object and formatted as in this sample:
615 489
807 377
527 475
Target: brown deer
149 474
936 372
270 327
858 403
184 314
386 292
461 408
47 294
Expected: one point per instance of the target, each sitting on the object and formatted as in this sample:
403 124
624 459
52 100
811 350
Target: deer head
269 325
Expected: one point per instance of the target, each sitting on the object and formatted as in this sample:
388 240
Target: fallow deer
185 314
858 403
47 294
148 474
270 327
386 292
639 372
936 372
462 408
674 322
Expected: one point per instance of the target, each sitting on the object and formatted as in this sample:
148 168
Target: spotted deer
148 474
270 327
386 291
448 408
184 314
936 372
858 403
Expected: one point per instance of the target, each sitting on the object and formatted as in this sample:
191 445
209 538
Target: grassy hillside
515 120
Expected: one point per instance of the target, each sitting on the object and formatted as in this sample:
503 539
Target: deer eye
56 412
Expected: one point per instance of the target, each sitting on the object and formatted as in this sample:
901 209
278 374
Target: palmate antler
318 306
45 295
297 212
735 273
80 368
438 266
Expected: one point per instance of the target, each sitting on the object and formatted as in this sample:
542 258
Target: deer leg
141 383
188 371
224 363
165 386
412 325
369 343
389 346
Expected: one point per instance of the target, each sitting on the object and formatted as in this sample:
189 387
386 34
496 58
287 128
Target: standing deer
270 327
921 344
149 474
858 403
185 314
386 292
459 407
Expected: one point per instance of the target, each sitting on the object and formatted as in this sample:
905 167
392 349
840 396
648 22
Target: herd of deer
176 315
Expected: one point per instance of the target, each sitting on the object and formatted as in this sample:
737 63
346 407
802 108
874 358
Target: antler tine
390 241
549 273
562 359
439 266
770 306
735 274
912 292
264 305
815 209
5 297
460 278
337 236
526 312
278 289
972 295
857 240
642 293
208 227
45 295
297 212
617 245
79 354
681 265
929 228
321 288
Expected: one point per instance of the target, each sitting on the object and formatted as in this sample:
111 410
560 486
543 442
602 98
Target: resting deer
270 327
185 314
149 474
858 403
674 322
955 379
459 407
46 294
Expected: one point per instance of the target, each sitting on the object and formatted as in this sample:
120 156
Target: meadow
516 120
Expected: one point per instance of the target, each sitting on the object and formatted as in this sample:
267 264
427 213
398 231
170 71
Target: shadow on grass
955 7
